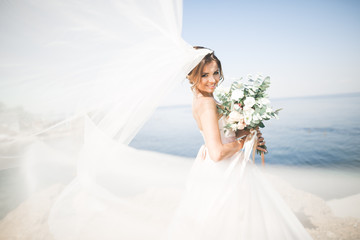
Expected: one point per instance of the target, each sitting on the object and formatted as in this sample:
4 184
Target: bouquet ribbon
256 142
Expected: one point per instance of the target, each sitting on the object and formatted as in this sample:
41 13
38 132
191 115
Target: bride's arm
218 151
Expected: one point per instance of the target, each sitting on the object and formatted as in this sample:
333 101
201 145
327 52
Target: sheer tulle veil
92 72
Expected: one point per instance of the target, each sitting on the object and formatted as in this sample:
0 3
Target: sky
307 47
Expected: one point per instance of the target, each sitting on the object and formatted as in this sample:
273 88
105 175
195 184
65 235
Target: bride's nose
212 79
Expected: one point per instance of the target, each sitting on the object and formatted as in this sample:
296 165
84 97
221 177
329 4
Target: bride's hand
261 141
242 133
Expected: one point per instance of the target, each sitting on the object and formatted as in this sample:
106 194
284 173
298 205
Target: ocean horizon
316 131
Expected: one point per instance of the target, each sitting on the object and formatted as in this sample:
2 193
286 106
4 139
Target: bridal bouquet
245 105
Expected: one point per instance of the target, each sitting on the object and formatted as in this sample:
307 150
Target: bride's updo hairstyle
195 75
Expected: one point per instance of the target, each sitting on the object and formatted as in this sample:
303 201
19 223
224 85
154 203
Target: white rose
249 102
237 94
222 90
241 125
264 101
235 116
248 115
248 119
249 111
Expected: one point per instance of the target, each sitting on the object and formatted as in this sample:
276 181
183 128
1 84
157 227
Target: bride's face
210 76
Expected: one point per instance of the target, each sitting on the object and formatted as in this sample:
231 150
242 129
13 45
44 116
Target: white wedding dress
231 199
92 73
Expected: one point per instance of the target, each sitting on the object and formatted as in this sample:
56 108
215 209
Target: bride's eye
216 73
204 75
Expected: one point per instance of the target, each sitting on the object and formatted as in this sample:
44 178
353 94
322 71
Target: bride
103 69
226 196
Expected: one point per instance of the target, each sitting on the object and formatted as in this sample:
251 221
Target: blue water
314 131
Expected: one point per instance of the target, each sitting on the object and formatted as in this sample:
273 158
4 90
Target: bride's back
199 105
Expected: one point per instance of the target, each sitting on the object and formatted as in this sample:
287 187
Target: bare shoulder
205 101
204 105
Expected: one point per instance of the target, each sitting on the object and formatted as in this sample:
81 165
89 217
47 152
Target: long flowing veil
91 72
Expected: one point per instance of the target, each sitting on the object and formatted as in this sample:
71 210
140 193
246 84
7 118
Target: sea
318 131
316 137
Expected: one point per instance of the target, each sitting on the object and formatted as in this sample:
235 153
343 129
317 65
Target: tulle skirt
232 199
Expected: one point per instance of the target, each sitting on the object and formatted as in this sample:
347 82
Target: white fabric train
93 72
